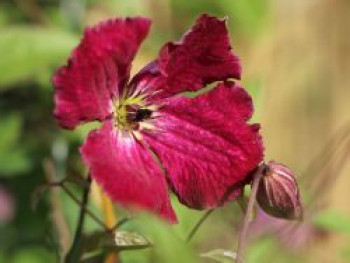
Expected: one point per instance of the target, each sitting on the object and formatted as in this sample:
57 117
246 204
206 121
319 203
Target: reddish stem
248 214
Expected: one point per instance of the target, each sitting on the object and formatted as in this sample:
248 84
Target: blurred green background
296 65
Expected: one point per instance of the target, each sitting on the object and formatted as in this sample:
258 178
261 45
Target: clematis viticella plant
152 138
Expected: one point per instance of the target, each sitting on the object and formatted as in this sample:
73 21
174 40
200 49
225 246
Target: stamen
132 112
142 114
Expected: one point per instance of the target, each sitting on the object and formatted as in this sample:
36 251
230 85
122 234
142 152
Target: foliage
13 158
31 53
334 221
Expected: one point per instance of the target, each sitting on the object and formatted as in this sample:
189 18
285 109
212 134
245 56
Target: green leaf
269 250
31 53
119 241
221 255
334 221
32 254
345 254
124 239
13 158
166 245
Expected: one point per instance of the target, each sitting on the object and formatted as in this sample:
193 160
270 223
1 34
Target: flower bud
278 193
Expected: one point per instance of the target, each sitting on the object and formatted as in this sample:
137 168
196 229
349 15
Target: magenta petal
202 56
206 146
127 171
97 70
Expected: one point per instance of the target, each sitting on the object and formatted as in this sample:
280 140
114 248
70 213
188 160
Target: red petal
206 146
97 70
126 170
202 56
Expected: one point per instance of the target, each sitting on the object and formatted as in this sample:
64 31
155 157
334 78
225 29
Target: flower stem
248 214
198 224
80 204
120 223
74 252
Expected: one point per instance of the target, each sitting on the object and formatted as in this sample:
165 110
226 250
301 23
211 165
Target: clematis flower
152 136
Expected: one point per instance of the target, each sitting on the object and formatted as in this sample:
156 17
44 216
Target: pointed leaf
221 255
124 239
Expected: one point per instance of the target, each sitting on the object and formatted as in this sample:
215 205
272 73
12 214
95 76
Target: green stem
75 251
198 224
80 204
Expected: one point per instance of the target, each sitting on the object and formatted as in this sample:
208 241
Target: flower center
130 112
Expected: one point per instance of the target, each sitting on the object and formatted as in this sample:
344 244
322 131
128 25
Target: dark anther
142 114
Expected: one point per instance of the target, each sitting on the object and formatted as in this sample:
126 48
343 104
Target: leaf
333 220
128 239
13 158
221 255
166 245
31 53
119 241
32 254
91 242
269 249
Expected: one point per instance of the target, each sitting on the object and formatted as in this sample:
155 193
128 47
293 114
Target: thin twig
224 198
77 181
87 210
120 223
74 252
328 181
198 224
79 203
57 210
248 213
325 154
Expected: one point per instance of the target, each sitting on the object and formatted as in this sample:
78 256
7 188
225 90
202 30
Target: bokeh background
296 65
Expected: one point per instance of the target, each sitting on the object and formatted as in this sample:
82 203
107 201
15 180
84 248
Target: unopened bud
278 193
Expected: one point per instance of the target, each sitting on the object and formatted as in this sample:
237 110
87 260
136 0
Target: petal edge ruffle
202 56
206 146
97 71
